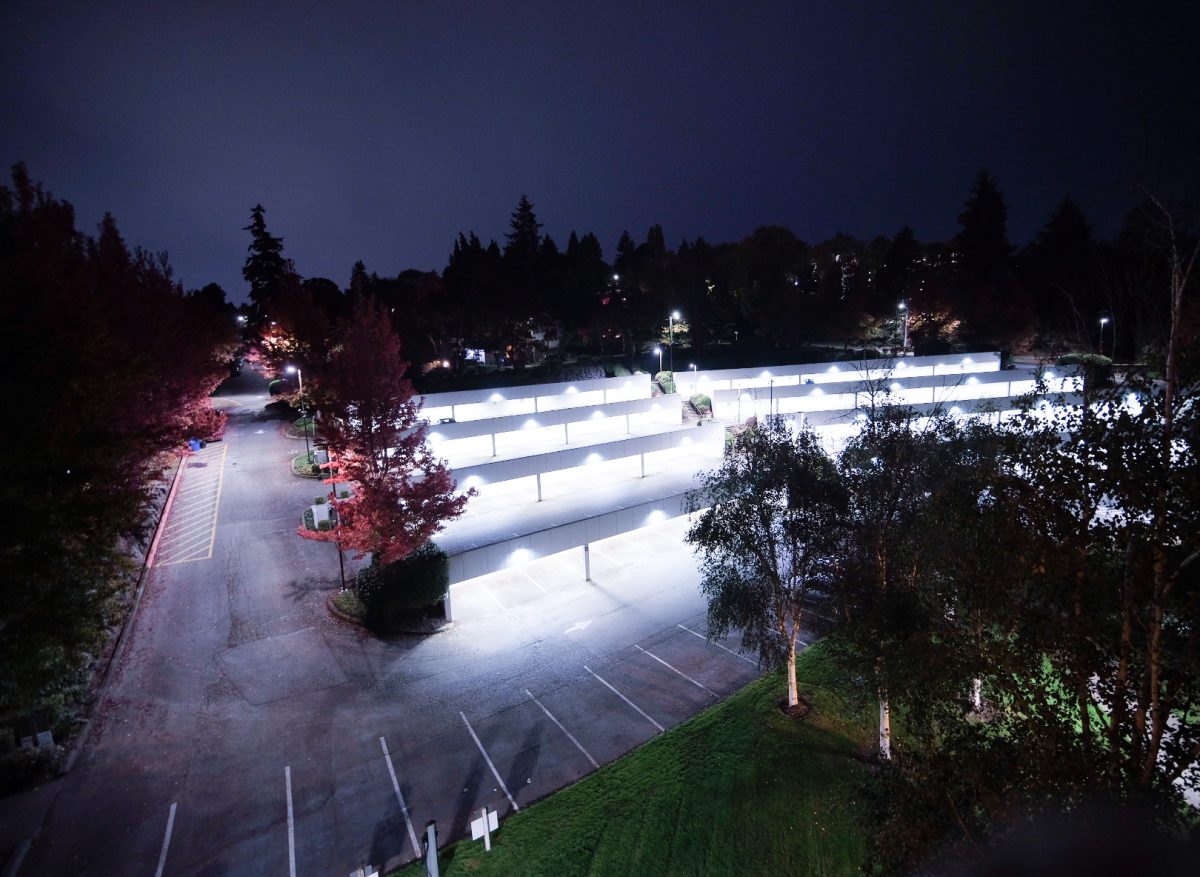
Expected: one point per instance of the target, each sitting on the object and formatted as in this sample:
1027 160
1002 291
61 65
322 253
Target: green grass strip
739 789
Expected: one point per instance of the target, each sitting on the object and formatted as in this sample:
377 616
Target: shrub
666 380
1097 369
348 603
702 403
320 500
402 589
314 469
309 522
324 526
560 372
277 387
345 494
619 371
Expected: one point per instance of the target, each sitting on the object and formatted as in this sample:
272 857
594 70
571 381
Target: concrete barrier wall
446 432
532 398
906 389
511 552
708 434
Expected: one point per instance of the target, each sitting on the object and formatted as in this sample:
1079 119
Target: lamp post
303 411
695 380
658 350
1103 323
903 308
671 318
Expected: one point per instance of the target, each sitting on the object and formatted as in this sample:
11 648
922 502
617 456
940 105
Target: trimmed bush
277 386
619 371
403 589
321 500
1097 369
702 403
309 522
666 380
324 526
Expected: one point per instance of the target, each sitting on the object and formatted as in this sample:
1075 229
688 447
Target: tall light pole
1103 323
903 308
303 411
658 350
671 318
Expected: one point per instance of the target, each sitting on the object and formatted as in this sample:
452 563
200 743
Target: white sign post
483 827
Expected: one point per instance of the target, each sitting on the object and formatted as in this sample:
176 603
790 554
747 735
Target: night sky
380 133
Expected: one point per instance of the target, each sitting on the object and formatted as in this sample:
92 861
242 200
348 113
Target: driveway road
247 732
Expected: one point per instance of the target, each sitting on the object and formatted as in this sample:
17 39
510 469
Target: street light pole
1103 322
671 318
658 350
903 308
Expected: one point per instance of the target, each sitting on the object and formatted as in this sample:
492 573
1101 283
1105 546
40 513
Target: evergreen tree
265 269
982 244
525 236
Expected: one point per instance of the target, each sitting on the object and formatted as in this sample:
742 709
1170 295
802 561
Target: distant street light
671 318
1103 323
658 350
292 370
241 318
903 308
695 380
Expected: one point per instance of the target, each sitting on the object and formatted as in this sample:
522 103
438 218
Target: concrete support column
642 458
452 415
493 444
628 428
587 562
538 476
566 435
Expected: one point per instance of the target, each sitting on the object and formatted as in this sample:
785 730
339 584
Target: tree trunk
977 694
793 694
885 729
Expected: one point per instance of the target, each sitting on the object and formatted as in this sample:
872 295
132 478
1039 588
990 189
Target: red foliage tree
401 493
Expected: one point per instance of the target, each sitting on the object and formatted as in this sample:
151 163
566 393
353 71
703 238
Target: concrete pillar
587 562
628 428
642 458
538 476
493 444
566 435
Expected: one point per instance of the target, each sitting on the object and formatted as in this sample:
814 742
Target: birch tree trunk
885 729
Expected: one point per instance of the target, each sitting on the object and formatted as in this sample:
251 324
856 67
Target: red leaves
401 493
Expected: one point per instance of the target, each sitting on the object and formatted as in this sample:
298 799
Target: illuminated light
495 397
445 363
1049 373
972 380
627 384
655 517
529 424
521 555
967 360
833 369
902 365
896 387
861 417
571 390
765 374
597 414
817 391
746 397
657 406
434 436
704 379
687 440
472 481
593 459
956 411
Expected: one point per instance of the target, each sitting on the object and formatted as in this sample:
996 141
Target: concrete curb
350 619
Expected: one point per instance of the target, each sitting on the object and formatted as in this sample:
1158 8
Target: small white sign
483 827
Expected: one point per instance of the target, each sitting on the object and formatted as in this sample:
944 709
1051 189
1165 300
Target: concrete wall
532 398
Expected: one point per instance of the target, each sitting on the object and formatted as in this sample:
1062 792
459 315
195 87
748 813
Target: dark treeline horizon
1066 289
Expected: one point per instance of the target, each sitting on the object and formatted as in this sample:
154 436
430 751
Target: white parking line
412 835
287 779
624 698
488 591
536 583
675 670
162 857
483 752
570 736
719 646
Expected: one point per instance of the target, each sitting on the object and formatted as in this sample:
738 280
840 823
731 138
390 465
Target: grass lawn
739 789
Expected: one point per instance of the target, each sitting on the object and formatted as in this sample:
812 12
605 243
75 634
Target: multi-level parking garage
560 467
